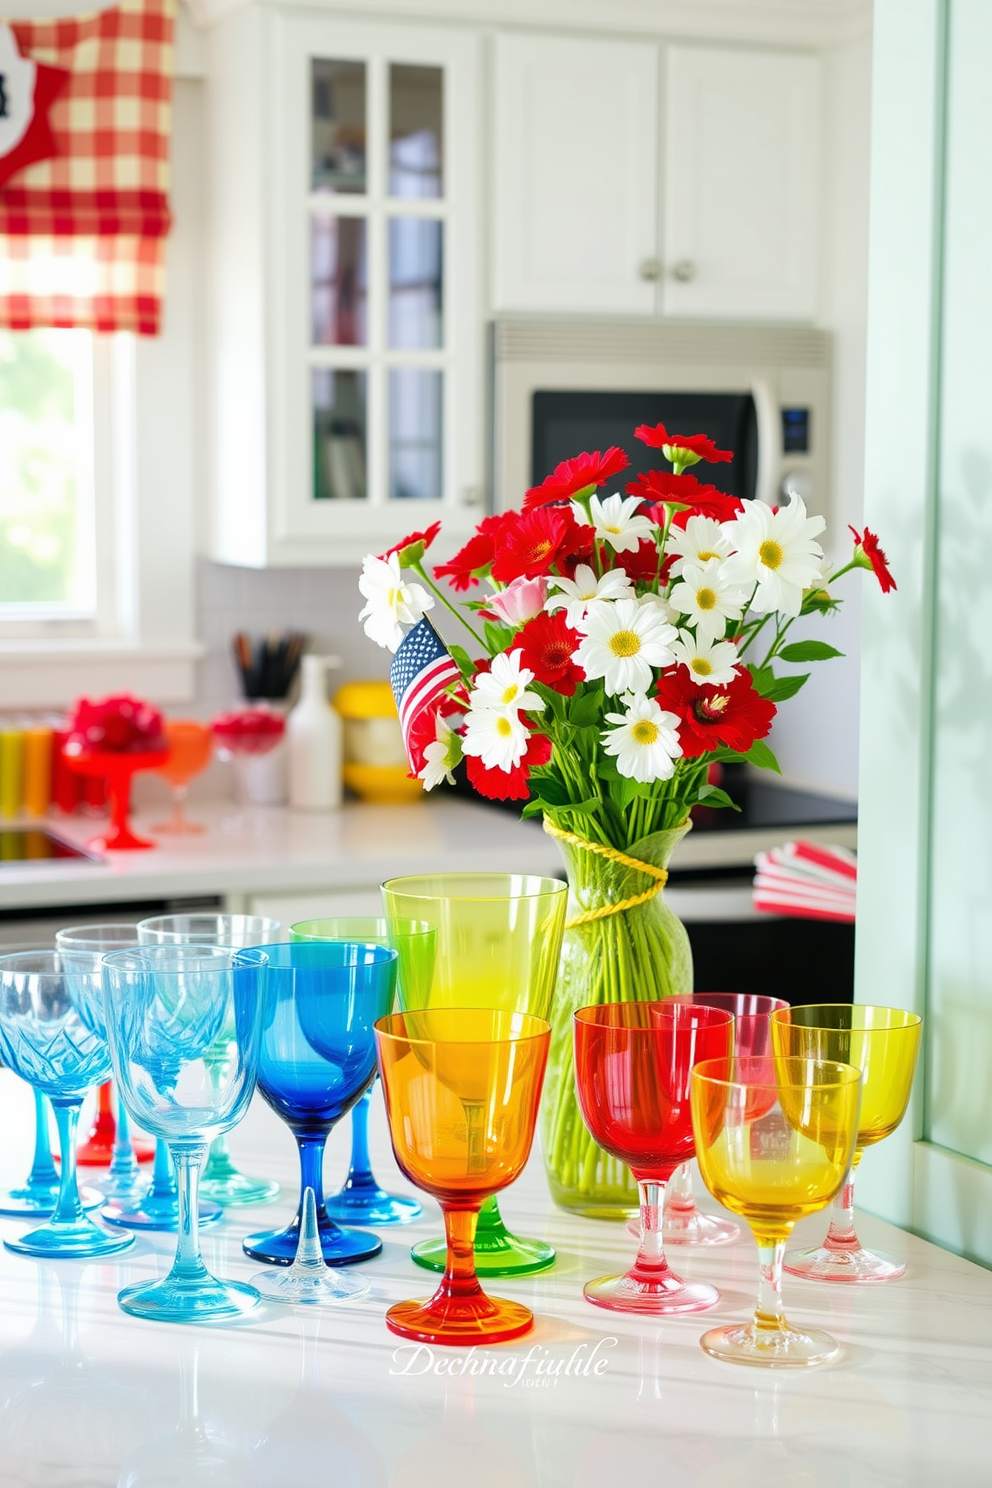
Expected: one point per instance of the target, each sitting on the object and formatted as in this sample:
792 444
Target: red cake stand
118 769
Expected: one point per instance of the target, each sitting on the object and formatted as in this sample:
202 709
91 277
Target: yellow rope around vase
660 875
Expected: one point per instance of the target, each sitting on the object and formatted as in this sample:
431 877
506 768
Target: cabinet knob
650 268
684 270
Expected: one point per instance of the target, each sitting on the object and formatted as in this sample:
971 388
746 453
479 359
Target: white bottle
313 737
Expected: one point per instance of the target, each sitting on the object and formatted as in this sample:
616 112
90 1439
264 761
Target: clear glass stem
360 1168
123 1163
651 1264
217 1061
163 1179
188 1265
460 1280
680 1195
842 1235
179 794
768 1314
68 1210
43 1170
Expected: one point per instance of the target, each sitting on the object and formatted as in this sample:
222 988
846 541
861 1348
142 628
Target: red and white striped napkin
807 880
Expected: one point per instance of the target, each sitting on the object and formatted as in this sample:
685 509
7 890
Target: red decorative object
121 724
118 769
248 731
98 1149
29 90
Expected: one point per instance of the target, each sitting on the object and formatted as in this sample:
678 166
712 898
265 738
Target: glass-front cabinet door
374 328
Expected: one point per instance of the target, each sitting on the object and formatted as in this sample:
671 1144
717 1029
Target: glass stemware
45 1040
883 1043
632 1067
462 1087
37 1196
191 745
165 1006
682 1222
308 1281
317 1057
221 1182
774 1139
361 1200
497 945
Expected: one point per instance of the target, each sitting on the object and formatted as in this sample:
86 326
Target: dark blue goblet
317 1059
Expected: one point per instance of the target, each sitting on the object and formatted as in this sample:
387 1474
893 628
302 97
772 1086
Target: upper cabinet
346 337
590 215
742 179
575 166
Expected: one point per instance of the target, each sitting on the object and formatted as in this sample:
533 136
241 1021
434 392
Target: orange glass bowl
191 745
462 1087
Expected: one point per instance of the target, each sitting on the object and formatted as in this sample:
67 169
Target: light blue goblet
46 1041
165 1007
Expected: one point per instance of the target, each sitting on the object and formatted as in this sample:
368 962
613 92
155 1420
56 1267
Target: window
48 567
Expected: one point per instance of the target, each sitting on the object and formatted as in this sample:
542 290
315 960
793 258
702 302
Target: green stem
419 569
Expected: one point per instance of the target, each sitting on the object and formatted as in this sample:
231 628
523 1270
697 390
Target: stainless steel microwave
561 387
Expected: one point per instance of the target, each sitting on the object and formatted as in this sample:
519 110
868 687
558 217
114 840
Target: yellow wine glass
497 944
774 1140
462 1087
883 1043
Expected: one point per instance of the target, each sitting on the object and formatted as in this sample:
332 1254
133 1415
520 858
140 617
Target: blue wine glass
165 1006
45 1040
37 1196
221 1180
361 1200
317 1059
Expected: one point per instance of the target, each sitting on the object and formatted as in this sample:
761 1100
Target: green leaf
763 679
809 651
498 637
549 788
759 754
463 662
623 791
712 795
533 808
592 807
786 687
586 707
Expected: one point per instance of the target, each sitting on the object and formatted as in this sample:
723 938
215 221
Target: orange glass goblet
462 1087
191 745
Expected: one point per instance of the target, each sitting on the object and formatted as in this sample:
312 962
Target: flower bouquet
624 646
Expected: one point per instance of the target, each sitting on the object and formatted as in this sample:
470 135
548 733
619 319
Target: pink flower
520 601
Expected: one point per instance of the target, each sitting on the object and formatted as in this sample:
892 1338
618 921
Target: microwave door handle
767 418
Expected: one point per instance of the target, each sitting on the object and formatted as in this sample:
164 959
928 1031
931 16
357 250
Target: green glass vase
641 954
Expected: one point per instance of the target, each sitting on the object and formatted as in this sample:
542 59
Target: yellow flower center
705 557
504 727
771 554
539 550
705 599
613 529
391 597
510 693
645 732
625 643
701 666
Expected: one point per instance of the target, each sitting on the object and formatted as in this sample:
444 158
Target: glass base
69 1241
460 1321
206 1299
373 1206
156 1214
179 826
769 1348
691 1227
238 1188
337 1246
497 1253
824 1263
38 1202
634 1293
300 1287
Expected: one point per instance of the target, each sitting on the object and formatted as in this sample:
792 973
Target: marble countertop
292 1400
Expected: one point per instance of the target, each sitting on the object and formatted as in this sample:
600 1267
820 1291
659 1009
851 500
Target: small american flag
421 671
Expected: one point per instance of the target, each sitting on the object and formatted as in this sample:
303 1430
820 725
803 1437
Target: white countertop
296 1401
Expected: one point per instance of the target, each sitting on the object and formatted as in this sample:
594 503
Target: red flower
661 487
641 566
548 644
530 544
867 545
475 557
422 540
676 446
581 473
508 785
733 716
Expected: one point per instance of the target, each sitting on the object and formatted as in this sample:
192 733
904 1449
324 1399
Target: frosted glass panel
415 403
339 281
415 283
340 397
416 131
337 116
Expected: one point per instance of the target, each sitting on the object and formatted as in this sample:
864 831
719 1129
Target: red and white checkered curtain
82 235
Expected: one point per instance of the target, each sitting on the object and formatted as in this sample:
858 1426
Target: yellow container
37 770
11 770
375 762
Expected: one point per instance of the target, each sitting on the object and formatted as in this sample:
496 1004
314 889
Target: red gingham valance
82 235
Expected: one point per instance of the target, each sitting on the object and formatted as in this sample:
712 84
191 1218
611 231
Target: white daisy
442 755
621 642
644 740
496 736
700 541
660 603
708 598
709 663
504 686
585 589
616 521
391 602
777 551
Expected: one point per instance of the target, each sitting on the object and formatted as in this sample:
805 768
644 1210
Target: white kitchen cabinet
345 336
742 183
575 164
